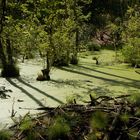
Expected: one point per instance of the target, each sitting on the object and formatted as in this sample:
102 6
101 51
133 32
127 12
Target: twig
13 112
134 125
114 122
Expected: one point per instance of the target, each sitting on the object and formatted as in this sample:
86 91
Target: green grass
108 78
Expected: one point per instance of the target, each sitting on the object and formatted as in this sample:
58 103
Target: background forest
57 30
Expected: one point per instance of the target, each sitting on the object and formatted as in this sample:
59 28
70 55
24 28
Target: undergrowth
103 118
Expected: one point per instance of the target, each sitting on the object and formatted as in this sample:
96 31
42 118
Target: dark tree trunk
2 55
47 70
74 59
2 18
8 64
9 52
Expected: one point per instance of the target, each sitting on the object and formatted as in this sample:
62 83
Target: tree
131 36
18 33
78 17
116 30
6 50
51 15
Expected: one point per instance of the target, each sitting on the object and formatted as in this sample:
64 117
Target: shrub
91 46
74 60
61 61
59 130
5 134
135 99
99 120
131 55
27 126
130 36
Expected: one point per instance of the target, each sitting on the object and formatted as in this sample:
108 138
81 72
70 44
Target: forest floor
66 84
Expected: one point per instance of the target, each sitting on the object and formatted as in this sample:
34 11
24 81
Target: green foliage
130 54
93 46
135 99
59 129
61 61
131 50
27 124
70 99
99 120
125 117
5 134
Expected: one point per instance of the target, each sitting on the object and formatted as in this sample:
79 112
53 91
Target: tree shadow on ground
3 92
40 91
110 81
25 92
107 73
105 66
99 91
60 83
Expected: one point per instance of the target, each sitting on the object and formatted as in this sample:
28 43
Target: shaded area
60 83
111 81
104 66
3 92
101 91
107 73
25 92
76 84
40 91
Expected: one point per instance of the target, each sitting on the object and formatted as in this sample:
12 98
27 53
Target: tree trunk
2 55
9 52
8 65
74 59
46 72
2 19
